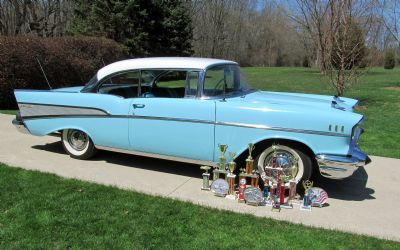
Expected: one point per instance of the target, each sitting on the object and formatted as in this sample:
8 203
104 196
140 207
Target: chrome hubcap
285 160
77 139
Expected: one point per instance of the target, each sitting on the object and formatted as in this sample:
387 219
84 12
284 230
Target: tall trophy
231 176
206 178
222 160
293 184
249 160
284 204
306 200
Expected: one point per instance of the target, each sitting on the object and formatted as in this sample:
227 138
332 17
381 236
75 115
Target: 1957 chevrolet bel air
182 108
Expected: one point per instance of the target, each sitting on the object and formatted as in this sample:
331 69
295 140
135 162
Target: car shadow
133 161
353 188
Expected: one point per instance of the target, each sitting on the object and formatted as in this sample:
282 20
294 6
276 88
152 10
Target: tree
146 27
389 59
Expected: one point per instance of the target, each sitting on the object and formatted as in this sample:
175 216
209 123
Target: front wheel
295 163
77 144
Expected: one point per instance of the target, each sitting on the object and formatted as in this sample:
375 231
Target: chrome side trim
303 131
243 125
159 156
43 110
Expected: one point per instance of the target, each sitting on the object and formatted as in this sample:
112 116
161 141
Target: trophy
220 169
231 176
206 178
254 178
287 204
242 188
249 160
293 184
306 200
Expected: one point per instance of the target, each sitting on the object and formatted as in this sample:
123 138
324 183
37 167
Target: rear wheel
294 161
77 144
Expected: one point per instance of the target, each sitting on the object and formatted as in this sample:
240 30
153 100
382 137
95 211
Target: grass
378 90
40 211
8 111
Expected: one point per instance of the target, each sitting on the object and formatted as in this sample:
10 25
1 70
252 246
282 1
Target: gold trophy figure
249 160
220 169
231 176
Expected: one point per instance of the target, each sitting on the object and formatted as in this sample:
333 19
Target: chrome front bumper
20 126
339 167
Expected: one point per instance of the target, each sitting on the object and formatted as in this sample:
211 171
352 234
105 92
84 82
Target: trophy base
241 201
296 202
251 203
305 208
316 204
206 189
268 203
219 194
231 197
276 208
286 206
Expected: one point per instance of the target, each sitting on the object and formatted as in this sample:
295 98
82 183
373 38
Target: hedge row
67 61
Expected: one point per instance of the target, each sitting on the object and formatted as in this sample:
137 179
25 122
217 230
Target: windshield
225 78
92 82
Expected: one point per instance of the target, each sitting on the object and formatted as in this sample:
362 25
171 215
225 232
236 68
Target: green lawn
8 112
378 90
40 211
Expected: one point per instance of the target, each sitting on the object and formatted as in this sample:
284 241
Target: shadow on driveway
353 188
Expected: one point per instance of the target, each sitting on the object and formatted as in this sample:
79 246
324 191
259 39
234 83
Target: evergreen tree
145 27
389 59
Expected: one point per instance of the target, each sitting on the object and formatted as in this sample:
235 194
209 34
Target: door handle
138 106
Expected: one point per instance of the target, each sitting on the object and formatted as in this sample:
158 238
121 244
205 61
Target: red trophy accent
282 194
242 187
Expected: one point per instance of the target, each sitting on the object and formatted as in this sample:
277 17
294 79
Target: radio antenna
44 74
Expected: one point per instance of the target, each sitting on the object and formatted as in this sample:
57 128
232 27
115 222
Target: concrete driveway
366 203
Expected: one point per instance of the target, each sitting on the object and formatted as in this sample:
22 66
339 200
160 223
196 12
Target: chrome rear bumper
339 167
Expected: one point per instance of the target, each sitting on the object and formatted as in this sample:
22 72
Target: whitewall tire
293 161
77 144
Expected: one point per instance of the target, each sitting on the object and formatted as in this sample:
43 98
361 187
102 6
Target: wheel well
261 145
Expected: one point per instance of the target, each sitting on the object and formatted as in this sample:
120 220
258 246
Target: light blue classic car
182 108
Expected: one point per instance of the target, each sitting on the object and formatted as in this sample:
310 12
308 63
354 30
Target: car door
169 120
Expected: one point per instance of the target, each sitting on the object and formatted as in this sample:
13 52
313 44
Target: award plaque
206 178
317 196
253 196
220 187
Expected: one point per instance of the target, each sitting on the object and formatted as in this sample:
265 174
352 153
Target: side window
215 79
170 84
192 83
125 84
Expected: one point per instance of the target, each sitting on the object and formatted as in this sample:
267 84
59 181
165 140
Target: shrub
67 61
306 62
389 59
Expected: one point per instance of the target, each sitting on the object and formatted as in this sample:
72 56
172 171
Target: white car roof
160 63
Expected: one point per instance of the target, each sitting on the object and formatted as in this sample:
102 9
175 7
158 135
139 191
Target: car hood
302 100
69 89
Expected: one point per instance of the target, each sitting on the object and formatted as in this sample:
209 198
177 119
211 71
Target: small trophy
254 178
231 176
306 200
266 191
206 178
242 188
249 160
220 169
